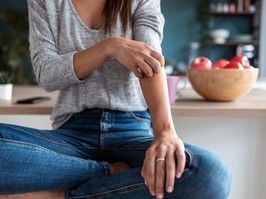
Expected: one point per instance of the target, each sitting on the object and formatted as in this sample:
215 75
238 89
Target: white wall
263 41
34 121
261 174
239 141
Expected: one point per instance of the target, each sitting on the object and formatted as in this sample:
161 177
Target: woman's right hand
139 57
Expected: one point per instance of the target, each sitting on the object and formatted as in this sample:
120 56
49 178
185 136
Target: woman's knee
210 173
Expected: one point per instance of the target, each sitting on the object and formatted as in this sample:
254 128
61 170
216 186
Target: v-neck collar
81 21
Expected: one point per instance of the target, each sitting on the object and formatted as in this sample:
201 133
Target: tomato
243 60
201 63
234 65
221 63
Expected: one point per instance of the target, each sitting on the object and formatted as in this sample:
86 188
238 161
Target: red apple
243 60
201 63
220 63
234 65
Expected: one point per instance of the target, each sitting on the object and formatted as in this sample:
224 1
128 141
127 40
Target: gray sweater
57 33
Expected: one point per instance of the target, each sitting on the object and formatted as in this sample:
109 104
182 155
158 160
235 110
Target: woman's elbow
45 81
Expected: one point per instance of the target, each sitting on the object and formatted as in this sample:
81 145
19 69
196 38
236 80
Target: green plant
204 20
14 46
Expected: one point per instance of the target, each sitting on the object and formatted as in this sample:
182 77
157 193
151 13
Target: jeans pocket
140 116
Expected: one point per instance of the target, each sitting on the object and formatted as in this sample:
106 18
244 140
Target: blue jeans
76 158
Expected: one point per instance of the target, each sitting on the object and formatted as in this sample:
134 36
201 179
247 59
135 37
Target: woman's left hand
165 161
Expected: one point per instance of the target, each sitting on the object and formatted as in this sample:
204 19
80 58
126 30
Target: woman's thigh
63 141
37 160
28 167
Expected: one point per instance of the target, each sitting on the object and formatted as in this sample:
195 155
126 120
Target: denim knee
219 179
212 176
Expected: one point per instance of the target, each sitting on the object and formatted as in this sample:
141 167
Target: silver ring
160 159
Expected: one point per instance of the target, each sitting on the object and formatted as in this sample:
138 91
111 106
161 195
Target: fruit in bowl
227 83
221 63
202 63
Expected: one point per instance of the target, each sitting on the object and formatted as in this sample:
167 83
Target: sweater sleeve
53 71
148 23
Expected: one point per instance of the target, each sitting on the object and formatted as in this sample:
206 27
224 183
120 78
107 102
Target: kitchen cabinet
243 25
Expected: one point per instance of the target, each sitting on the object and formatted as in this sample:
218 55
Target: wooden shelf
238 23
234 43
247 13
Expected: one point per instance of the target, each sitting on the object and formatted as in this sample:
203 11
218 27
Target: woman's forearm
160 164
156 95
90 59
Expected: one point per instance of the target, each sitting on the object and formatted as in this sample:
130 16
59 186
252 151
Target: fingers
145 68
181 161
170 173
155 60
138 57
160 178
162 165
148 64
159 57
150 174
154 171
137 72
154 64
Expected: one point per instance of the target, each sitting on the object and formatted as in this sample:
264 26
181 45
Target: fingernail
160 196
169 189
153 193
178 175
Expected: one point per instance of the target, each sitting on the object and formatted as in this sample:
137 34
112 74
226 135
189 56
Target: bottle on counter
232 7
246 5
239 5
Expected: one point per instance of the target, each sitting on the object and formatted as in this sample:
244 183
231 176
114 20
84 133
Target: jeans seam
124 149
133 116
24 144
48 140
106 168
101 135
107 193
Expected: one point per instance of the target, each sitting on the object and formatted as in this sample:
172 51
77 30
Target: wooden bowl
222 84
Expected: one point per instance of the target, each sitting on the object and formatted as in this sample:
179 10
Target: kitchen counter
189 104
23 92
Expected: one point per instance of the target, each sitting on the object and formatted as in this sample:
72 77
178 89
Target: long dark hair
115 8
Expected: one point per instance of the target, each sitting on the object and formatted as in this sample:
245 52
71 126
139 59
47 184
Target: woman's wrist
90 59
163 129
111 47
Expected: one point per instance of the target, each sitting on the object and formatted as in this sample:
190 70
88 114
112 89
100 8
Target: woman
112 115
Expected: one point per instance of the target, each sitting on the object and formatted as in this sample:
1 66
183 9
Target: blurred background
213 28
190 24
